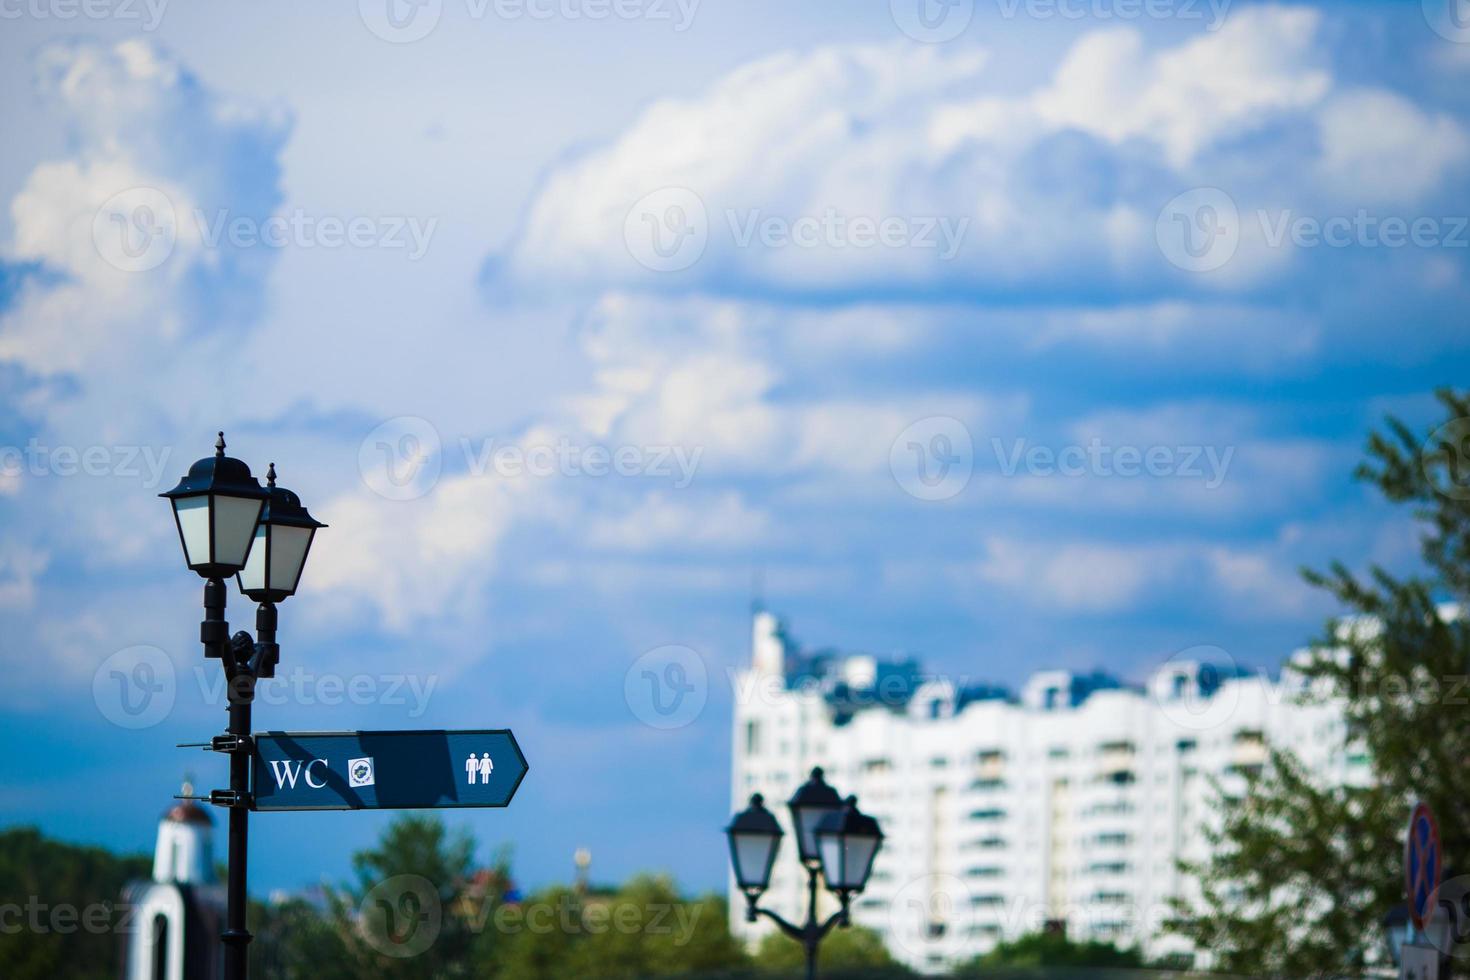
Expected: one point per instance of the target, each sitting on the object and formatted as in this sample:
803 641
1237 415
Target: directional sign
1422 864
384 770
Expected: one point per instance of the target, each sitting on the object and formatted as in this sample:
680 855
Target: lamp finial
219 445
270 475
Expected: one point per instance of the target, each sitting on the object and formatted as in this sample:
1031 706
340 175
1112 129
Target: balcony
1115 757
990 764
1248 751
988 871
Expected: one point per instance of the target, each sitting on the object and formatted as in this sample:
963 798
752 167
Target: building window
752 738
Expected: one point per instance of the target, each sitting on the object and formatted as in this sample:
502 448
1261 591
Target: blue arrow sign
384 770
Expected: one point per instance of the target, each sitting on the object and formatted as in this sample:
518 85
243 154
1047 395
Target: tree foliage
1050 949
420 907
63 907
643 929
402 917
854 951
1302 874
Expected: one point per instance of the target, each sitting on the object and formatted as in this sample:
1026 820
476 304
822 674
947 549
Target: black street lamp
230 525
834 840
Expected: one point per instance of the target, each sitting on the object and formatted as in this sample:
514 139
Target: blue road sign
384 770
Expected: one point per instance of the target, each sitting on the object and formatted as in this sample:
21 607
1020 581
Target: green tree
294 940
1301 873
644 929
1051 949
853 951
66 909
404 916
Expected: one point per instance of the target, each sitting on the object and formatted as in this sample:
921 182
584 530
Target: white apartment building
1071 801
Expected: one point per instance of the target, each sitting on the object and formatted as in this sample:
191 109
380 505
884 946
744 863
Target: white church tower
178 915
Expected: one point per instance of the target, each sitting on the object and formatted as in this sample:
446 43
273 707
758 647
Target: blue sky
921 339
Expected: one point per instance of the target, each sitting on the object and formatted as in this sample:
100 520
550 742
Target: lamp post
230 525
834 840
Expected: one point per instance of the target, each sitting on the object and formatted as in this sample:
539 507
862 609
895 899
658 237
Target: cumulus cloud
123 224
413 559
1261 63
1058 188
722 378
660 521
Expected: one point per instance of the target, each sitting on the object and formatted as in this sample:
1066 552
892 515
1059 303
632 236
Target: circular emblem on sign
1422 864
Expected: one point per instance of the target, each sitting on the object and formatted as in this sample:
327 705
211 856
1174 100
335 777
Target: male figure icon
472 766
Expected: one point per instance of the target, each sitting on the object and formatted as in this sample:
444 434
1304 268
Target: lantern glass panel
193 515
753 853
808 818
288 555
846 859
234 528
252 576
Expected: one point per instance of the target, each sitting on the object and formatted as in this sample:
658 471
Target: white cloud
715 376
1261 61
1059 187
1378 147
414 559
117 220
661 522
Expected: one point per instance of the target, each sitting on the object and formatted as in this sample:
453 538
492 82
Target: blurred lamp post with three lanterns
834 841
